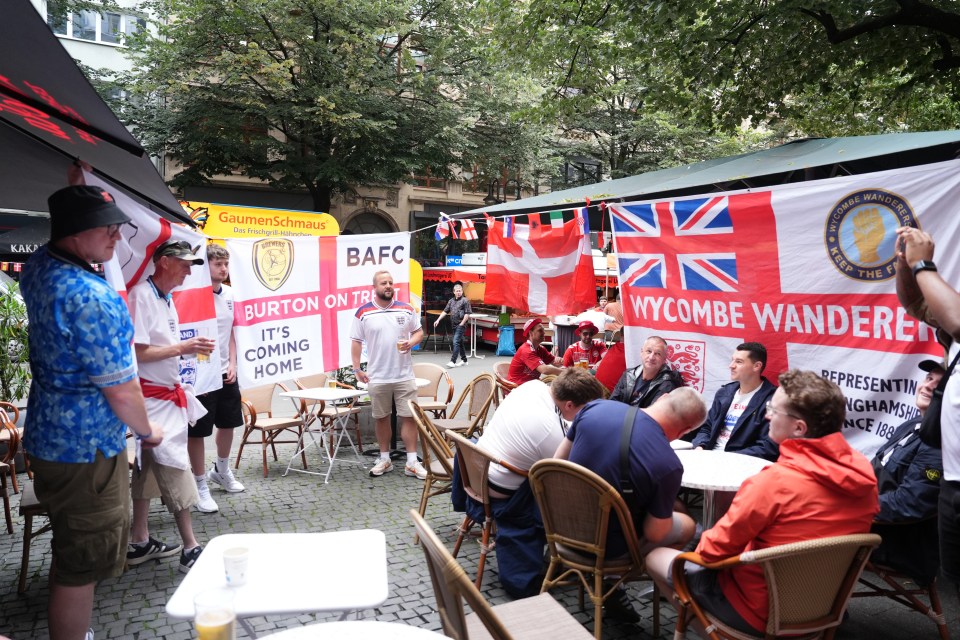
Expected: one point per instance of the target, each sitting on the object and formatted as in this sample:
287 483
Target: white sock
411 459
200 480
223 465
385 455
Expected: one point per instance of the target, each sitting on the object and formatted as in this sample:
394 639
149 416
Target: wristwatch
923 265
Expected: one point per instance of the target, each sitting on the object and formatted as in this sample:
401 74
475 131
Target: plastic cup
215 618
402 344
203 333
235 561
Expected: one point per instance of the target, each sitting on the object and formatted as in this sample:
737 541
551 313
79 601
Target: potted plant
14 353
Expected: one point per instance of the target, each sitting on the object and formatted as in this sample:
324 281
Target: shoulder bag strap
626 485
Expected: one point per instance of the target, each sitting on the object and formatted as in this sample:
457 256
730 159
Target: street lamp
497 193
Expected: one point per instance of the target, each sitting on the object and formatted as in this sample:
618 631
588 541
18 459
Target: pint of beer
215 618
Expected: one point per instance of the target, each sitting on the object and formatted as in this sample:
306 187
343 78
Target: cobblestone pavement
132 606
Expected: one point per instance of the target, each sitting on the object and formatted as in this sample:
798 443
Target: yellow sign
235 221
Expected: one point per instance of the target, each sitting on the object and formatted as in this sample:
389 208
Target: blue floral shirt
80 341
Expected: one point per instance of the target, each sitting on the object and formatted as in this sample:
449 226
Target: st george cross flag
807 269
467 230
551 274
133 262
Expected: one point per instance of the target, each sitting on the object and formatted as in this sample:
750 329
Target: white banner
133 261
806 269
296 297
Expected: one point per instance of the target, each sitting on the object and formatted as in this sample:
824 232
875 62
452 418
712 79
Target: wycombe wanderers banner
807 269
295 299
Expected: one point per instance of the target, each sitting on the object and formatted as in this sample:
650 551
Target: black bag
930 425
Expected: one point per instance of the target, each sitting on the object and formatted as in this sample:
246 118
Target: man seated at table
819 487
528 426
908 476
586 349
654 469
737 420
643 384
531 360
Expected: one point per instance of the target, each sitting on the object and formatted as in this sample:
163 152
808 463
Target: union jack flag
660 242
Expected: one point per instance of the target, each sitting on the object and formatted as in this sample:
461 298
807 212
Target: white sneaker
382 467
225 480
89 635
415 469
206 504
462 363
451 364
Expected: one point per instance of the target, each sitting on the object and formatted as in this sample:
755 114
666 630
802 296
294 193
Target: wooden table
292 574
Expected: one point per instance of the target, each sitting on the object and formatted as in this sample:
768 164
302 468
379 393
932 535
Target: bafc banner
296 297
806 269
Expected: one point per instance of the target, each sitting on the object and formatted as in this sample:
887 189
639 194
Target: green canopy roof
796 161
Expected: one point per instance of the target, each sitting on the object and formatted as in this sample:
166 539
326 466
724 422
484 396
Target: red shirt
523 367
575 351
612 366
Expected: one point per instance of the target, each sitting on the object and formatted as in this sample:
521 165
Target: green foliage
14 354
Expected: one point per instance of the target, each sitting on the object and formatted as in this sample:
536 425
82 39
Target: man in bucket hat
531 360
587 350
85 394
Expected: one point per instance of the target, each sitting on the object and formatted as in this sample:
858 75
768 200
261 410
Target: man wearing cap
531 360
643 384
459 310
165 471
587 349
737 420
908 477
84 395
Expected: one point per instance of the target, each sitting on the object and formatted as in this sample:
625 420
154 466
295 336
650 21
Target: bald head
679 411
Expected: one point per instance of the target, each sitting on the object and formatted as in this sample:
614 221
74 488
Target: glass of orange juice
215 618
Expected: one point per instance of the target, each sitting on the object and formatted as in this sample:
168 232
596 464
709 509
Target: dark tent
17 245
50 115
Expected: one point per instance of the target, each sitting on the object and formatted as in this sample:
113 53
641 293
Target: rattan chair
476 399
437 458
473 463
30 508
536 618
904 569
11 436
504 386
577 507
4 470
257 405
428 396
809 585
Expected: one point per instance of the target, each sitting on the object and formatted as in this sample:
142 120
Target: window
430 181
108 27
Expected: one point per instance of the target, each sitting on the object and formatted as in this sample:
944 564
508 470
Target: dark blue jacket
749 436
909 483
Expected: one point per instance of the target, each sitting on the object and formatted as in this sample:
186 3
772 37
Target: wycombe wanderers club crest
861 233
272 262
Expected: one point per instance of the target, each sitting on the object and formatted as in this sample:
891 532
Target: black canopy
18 244
50 115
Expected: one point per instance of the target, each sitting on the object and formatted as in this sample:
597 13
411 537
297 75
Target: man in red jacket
819 487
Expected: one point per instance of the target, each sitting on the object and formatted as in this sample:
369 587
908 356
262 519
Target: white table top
680 445
293 573
718 470
356 630
326 394
421 383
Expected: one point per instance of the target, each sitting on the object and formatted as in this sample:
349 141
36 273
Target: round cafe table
715 471
356 630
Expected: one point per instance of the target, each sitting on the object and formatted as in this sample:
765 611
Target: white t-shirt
223 303
381 328
950 421
155 323
525 428
737 407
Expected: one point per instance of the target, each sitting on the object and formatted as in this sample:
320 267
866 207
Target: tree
301 94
